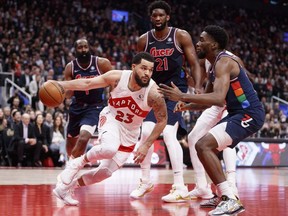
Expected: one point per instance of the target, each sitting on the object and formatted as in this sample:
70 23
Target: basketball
51 93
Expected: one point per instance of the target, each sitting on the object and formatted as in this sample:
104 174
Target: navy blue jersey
168 59
241 94
92 96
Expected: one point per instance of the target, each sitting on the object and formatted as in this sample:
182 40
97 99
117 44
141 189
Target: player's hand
140 154
181 106
171 93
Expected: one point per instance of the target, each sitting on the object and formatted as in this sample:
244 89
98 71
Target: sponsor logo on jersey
129 103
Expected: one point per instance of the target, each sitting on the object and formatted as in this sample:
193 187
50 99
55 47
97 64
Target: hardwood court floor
27 192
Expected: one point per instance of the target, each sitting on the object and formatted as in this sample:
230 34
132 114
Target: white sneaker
227 206
64 193
61 158
142 189
71 169
202 193
178 193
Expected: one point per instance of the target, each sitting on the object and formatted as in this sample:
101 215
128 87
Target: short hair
142 55
77 41
219 34
159 4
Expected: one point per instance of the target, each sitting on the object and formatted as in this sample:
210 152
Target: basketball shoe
142 189
211 203
178 193
227 206
65 193
202 193
71 169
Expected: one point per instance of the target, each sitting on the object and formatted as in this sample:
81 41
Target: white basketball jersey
128 107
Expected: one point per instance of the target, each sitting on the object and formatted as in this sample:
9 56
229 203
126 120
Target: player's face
203 46
143 72
159 19
82 51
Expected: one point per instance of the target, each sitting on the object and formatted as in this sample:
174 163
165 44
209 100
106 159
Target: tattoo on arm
159 106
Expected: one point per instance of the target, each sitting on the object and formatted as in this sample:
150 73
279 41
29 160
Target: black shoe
38 164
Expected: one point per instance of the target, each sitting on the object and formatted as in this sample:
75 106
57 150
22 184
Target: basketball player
169 46
205 122
133 94
86 105
228 84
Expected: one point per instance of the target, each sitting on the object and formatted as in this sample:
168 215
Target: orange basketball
51 93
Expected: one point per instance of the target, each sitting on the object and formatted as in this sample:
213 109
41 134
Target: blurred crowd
36 42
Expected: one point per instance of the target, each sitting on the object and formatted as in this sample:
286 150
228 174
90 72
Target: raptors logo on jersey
129 103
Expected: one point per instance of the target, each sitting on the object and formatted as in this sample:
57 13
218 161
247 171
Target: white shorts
211 116
111 133
222 137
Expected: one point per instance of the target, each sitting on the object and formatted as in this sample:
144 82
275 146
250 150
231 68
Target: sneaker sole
147 191
59 197
178 200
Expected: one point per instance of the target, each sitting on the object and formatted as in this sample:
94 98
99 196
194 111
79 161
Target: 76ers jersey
128 107
241 94
92 96
168 59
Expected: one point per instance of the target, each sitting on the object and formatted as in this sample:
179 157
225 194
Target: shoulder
102 60
142 41
154 97
143 36
182 33
104 64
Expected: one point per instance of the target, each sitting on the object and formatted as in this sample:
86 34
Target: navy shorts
82 115
238 126
172 117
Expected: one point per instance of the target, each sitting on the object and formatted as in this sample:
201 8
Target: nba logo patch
102 121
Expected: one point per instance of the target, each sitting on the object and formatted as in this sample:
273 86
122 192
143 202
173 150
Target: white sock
225 189
175 152
230 157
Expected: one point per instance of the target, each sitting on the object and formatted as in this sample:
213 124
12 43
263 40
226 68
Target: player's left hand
172 93
140 154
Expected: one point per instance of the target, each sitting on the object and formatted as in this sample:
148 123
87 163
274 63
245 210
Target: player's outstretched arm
107 79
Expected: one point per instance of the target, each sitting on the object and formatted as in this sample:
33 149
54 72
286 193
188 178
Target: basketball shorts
82 115
234 128
113 133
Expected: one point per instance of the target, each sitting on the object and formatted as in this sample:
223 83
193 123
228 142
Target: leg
81 143
105 170
207 148
230 157
179 192
145 185
71 143
110 143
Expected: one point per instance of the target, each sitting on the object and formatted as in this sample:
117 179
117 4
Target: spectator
58 147
26 143
42 133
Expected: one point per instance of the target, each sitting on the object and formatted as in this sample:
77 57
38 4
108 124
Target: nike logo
151 42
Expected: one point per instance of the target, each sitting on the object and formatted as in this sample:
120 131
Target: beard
161 27
83 57
140 82
201 55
